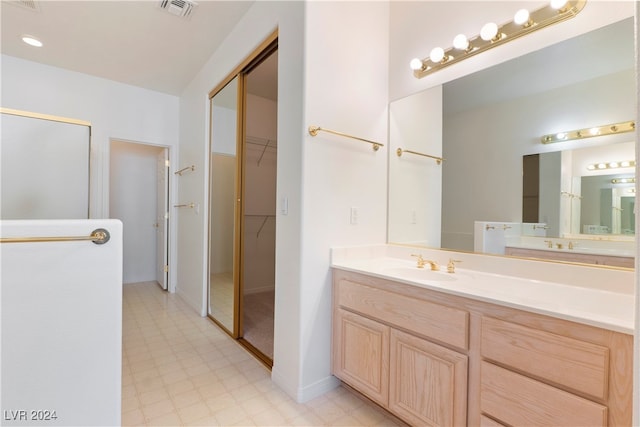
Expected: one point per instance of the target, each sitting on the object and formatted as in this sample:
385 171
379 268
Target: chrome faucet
549 243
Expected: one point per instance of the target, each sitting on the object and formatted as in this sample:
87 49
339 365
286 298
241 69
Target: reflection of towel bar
492 227
438 160
313 131
185 205
98 236
192 167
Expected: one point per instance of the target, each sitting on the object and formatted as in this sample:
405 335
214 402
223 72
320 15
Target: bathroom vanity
478 348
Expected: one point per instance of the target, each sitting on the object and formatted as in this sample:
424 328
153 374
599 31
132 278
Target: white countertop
609 306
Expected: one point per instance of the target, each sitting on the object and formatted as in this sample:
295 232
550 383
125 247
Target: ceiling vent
27 4
181 8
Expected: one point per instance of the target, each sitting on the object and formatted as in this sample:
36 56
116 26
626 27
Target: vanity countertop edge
588 300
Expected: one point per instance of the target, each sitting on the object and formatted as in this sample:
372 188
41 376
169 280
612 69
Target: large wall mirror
487 124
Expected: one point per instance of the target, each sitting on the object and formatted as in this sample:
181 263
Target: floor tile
180 369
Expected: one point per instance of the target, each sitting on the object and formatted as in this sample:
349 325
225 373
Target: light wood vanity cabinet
361 346
434 359
384 357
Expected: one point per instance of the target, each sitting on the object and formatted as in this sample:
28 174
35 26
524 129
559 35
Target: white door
162 219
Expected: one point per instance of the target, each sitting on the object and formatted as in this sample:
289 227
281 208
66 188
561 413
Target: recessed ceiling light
31 41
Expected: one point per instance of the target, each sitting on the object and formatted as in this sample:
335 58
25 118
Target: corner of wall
307 393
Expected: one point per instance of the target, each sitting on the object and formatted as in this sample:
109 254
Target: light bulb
614 165
436 55
594 131
591 167
416 64
521 17
558 4
561 135
489 31
625 164
461 42
602 166
31 41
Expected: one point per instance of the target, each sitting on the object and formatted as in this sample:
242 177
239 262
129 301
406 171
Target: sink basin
415 273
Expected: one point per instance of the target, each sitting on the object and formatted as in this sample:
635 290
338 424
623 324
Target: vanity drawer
441 323
521 401
578 365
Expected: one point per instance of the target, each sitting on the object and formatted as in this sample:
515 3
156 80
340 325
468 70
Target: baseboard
195 305
307 393
259 289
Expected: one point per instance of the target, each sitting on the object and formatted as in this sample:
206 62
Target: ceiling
133 42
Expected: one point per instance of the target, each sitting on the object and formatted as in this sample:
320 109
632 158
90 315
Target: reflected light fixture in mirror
492 35
603 130
612 165
31 40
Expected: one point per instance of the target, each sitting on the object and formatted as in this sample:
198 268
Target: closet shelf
262 142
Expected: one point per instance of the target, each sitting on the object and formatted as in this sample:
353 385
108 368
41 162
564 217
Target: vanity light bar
612 165
623 181
611 129
492 35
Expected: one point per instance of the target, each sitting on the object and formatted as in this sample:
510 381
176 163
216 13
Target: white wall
346 90
61 324
114 110
323 45
260 21
133 196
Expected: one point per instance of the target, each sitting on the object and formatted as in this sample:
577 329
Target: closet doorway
242 202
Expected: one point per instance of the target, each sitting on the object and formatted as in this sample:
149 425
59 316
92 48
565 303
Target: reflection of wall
224 129
415 185
260 195
484 146
223 175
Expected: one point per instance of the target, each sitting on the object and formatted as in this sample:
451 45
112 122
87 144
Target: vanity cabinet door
428 382
361 354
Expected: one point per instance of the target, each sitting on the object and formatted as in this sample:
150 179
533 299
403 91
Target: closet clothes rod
438 160
255 140
192 167
313 131
99 236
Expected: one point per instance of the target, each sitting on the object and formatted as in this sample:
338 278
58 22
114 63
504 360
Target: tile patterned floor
179 369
